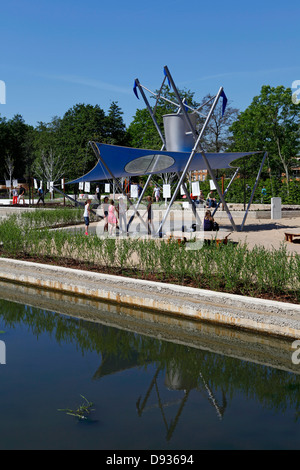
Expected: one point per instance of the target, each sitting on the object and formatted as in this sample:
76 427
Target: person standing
15 196
156 193
98 193
41 195
22 194
105 213
86 215
112 216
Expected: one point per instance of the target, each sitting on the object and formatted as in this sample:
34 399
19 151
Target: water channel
155 382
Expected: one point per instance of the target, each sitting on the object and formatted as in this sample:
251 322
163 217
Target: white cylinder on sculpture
178 135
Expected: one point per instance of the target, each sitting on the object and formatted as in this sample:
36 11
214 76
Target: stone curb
252 314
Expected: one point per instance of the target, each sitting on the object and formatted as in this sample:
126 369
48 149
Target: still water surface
148 393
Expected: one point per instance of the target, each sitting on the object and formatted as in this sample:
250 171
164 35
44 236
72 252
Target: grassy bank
233 268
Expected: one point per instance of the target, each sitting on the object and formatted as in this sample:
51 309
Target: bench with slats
289 237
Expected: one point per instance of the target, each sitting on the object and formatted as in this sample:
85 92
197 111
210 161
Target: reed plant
231 268
39 218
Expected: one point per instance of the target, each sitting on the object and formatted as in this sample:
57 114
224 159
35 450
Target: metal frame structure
197 136
182 107
152 114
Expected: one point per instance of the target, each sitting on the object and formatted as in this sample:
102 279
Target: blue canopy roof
126 162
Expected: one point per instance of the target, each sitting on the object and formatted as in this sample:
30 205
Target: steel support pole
158 96
160 134
198 138
150 111
197 141
185 114
163 147
253 190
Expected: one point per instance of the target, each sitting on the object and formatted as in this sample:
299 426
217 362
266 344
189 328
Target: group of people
209 202
115 216
19 196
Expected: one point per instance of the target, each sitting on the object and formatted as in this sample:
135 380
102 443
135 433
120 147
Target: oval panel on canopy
149 164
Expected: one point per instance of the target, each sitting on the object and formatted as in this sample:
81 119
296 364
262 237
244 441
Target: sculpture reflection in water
177 379
174 371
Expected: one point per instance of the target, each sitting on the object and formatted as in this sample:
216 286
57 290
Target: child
112 216
15 196
105 213
86 215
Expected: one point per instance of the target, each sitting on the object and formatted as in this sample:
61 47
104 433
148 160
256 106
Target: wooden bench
208 237
289 237
180 240
221 239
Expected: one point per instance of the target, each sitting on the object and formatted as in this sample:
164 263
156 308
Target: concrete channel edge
252 314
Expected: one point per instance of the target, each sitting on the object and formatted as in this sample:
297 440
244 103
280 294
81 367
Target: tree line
60 148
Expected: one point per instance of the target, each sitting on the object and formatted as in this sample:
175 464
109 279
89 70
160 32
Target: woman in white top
156 193
86 215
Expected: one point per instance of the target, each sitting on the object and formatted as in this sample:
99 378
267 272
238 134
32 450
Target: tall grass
48 218
231 268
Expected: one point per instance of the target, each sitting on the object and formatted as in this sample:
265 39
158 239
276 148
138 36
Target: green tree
68 137
217 137
78 126
13 144
270 123
115 129
3 145
46 136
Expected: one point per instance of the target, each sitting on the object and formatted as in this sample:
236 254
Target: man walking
41 195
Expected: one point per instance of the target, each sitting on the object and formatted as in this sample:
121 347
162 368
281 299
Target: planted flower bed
258 272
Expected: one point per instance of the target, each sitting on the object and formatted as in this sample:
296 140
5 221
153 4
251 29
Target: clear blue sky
59 53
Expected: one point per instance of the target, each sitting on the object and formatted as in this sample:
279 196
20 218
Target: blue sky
59 53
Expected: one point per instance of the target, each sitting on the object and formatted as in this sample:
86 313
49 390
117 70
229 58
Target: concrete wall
256 315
